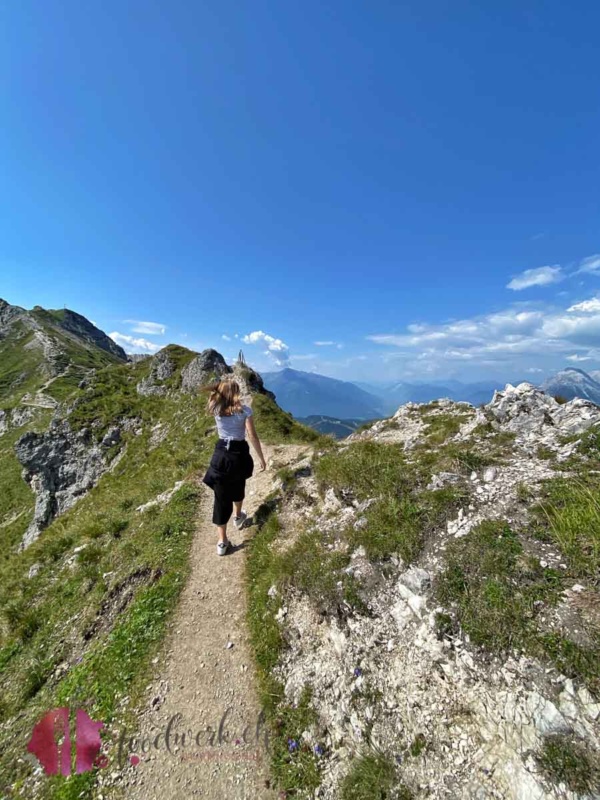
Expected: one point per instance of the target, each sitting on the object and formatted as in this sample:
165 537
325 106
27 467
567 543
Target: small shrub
373 777
418 745
545 453
116 526
563 760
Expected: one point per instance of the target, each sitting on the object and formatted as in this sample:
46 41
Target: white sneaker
239 521
223 547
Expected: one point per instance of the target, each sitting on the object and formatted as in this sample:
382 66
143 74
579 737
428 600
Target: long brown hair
224 398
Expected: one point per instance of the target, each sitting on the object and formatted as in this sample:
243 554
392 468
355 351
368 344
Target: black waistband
232 444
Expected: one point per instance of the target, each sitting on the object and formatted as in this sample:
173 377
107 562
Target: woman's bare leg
238 507
222 531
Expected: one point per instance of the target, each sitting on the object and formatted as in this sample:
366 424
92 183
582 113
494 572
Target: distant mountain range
332 406
307 394
304 394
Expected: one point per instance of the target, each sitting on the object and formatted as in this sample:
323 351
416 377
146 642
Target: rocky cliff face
460 706
60 466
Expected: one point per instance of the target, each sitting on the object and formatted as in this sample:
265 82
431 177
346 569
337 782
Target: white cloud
590 264
534 370
225 337
277 349
132 345
584 330
339 345
306 357
507 339
542 276
152 328
576 357
587 306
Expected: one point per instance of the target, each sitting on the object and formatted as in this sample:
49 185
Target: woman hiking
231 463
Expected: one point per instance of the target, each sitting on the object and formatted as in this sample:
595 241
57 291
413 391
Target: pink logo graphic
51 742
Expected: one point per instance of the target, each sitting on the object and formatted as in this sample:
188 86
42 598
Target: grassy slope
493 589
82 630
62 639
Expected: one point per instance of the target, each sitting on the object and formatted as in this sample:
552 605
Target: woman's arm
254 441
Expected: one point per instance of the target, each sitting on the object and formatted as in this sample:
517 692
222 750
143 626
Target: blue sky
369 190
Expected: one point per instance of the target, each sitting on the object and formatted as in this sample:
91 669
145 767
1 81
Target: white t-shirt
234 425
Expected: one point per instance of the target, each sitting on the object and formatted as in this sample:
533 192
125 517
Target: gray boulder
60 466
163 368
208 365
525 409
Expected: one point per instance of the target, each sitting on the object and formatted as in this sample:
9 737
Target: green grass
295 771
66 386
546 453
565 760
20 365
317 572
372 776
441 427
496 592
64 614
404 513
418 745
275 426
367 469
570 511
112 395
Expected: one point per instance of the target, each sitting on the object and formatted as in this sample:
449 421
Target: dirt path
206 674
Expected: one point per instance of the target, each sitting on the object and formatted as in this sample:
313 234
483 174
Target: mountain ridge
305 394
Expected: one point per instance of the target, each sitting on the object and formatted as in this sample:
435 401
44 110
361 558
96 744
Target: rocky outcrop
209 365
60 466
8 315
163 368
16 417
250 381
529 412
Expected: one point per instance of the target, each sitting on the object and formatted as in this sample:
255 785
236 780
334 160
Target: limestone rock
60 466
209 365
163 368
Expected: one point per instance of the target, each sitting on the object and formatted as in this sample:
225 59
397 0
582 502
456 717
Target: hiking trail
205 671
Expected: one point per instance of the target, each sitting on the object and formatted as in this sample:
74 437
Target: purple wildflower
319 750
292 745
357 672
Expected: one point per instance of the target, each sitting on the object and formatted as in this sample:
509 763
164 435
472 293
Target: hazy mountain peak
572 382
